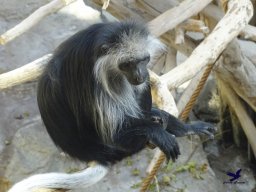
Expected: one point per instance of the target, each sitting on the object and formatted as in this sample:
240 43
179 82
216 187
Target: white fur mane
112 109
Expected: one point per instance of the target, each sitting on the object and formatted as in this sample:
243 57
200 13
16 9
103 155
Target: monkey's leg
134 136
180 129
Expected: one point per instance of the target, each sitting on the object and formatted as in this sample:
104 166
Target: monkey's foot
203 128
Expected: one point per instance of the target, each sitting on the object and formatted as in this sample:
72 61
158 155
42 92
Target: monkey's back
66 100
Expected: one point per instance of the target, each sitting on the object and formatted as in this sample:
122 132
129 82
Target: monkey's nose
139 79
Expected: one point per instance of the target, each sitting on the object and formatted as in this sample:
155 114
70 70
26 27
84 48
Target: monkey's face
135 70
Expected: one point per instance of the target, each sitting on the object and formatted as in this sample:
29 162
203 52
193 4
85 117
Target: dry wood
28 72
161 95
116 8
195 25
236 18
232 10
105 4
10 79
185 10
239 72
186 48
158 65
180 35
245 120
237 69
33 19
170 61
136 9
249 33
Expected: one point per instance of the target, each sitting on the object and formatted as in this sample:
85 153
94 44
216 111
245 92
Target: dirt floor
25 148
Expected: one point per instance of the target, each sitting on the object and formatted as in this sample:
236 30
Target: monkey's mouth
136 82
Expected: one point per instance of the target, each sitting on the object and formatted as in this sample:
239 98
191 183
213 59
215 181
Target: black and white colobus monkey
95 99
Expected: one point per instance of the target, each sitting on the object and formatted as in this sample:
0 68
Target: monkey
94 96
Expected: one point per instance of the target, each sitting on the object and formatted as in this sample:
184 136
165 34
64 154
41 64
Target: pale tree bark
231 32
235 102
33 19
239 72
236 18
26 73
249 33
185 10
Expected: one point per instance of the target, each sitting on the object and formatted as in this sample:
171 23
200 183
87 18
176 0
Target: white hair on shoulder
111 114
78 180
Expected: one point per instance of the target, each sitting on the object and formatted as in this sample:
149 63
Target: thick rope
183 116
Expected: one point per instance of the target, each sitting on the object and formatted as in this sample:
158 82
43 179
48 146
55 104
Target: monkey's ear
104 48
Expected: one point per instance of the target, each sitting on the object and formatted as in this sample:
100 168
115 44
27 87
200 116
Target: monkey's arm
180 129
135 134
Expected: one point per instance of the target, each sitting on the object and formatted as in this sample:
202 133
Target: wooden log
239 72
10 79
180 35
213 11
116 8
143 11
215 32
171 60
28 72
249 33
185 10
161 95
236 18
243 116
33 19
185 48
195 26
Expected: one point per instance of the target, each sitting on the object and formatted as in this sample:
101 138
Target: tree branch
185 10
33 19
236 18
28 72
246 122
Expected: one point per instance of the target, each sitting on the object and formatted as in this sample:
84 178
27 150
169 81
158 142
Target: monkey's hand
180 129
167 144
202 128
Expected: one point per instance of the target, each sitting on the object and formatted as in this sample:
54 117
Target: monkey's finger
167 155
177 148
212 129
174 156
209 134
175 145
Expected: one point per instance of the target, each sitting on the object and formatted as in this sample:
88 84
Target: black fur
66 99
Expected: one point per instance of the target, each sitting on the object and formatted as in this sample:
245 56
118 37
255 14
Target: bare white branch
33 19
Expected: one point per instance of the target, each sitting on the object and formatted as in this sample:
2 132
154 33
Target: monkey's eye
125 66
146 59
